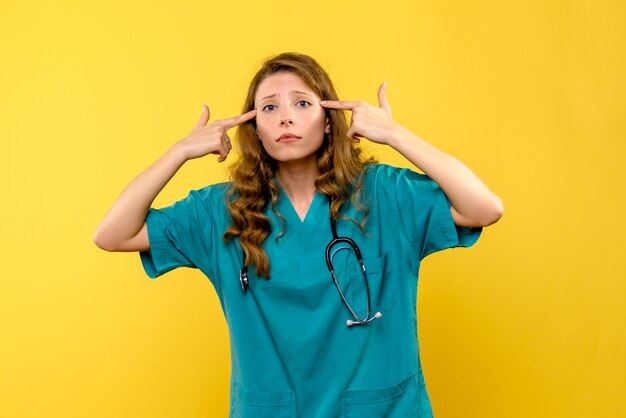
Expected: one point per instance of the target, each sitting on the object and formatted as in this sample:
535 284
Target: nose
286 116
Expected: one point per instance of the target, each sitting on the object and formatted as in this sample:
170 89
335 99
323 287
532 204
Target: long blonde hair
339 162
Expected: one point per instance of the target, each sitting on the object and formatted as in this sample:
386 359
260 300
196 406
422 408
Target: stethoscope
329 262
330 253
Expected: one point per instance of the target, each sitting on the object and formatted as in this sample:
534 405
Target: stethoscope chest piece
243 278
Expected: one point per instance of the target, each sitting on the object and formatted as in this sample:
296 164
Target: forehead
281 83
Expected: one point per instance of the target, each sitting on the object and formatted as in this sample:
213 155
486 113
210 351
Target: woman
301 345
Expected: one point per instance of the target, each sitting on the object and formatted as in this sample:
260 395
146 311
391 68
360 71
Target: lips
288 138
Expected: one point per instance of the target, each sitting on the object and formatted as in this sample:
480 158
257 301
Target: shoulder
386 185
384 175
209 199
212 192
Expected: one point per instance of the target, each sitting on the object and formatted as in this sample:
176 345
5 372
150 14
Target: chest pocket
253 404
384 287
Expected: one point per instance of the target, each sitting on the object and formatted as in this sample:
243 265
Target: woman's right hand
212 138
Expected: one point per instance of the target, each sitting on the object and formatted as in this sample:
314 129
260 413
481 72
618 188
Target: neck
298 181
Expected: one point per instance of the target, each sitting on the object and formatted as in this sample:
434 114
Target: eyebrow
290 93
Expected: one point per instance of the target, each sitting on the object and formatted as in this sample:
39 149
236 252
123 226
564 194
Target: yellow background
530 95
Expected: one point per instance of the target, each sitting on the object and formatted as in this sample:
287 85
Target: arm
473 204
124 226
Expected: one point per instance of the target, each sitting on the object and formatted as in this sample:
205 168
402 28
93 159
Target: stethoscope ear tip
378 315
349 322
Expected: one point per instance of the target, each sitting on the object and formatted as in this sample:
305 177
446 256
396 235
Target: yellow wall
530 95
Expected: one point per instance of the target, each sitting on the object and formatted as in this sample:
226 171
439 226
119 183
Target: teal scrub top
292 353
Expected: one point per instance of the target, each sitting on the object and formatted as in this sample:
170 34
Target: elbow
102 242
494 214
486 215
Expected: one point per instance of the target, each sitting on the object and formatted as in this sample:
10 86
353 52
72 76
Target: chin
295 158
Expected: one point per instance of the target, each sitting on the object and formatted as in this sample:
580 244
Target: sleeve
425 215
176 236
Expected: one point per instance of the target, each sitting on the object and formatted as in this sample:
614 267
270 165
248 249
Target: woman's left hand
373 123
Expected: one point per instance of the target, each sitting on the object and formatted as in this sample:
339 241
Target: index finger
236 120
339 104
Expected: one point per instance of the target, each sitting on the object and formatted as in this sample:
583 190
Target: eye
265 108
303 104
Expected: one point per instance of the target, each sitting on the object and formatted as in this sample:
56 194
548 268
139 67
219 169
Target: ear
327 128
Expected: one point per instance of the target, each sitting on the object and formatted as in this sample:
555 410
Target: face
290 122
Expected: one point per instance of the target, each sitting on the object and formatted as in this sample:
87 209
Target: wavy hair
339 161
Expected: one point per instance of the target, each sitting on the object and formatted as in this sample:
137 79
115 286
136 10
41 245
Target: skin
124 226
285 104
473 204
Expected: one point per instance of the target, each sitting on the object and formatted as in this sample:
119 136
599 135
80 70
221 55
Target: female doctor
314 252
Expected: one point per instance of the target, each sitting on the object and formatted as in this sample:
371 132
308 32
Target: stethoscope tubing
244 279
329 262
